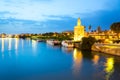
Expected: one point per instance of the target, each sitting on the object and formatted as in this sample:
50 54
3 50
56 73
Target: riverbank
113 49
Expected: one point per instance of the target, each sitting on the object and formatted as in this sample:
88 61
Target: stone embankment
113 49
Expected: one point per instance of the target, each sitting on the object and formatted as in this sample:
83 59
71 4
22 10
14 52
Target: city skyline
38 16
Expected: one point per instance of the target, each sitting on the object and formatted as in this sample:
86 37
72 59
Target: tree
99 29
89 28
115 27
87 43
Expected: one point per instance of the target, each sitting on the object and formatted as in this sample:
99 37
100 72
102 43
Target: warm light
9 44
96 59
78 22
108 41
34 45
16 43
109 65
2 49
77 57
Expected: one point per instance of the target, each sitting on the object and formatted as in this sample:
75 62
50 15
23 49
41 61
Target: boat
68 44
53 42
40 40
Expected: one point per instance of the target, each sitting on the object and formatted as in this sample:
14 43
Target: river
30 60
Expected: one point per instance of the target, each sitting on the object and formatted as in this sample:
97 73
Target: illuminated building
107 34
78 31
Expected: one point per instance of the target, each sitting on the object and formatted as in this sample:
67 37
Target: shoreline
112 49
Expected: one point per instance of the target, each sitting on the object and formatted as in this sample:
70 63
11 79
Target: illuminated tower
78 31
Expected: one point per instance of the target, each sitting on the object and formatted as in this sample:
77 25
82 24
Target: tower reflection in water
109 67
77 58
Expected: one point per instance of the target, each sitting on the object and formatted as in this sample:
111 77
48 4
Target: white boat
40 40
53 42
68 44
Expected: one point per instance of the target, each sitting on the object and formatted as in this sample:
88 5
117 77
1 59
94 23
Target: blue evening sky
38 16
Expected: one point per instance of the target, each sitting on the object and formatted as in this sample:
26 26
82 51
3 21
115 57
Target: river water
30 60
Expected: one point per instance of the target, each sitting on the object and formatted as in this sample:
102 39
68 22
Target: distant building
3 35
108 34
67 32
79 31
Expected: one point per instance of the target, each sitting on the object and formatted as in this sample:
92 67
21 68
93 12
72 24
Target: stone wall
113 49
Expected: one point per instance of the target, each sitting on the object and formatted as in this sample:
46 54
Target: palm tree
89 28
98 30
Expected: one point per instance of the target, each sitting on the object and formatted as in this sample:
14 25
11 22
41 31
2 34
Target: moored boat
40 40
68 43
53 42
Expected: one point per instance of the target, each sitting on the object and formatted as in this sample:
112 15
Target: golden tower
78 31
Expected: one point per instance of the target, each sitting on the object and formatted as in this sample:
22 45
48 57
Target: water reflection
2 47
12 45
109 67
22 43
67 50
9 44
77 57
105 67
34 45
16 45
95 59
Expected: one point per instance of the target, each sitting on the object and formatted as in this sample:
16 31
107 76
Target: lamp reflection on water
77 57
109 67
9 44
16 45
34 45
2 47
96 59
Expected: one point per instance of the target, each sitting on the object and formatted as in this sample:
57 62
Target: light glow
96 59
77 57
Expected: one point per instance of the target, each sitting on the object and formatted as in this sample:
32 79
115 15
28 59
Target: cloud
56 15
6 14
35 9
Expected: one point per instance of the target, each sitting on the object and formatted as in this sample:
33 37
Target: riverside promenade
113 49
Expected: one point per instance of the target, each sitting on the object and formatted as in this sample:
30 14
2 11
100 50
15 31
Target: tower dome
78 22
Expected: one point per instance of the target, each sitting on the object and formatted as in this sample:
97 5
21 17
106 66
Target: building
108 34
79 31
105 36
